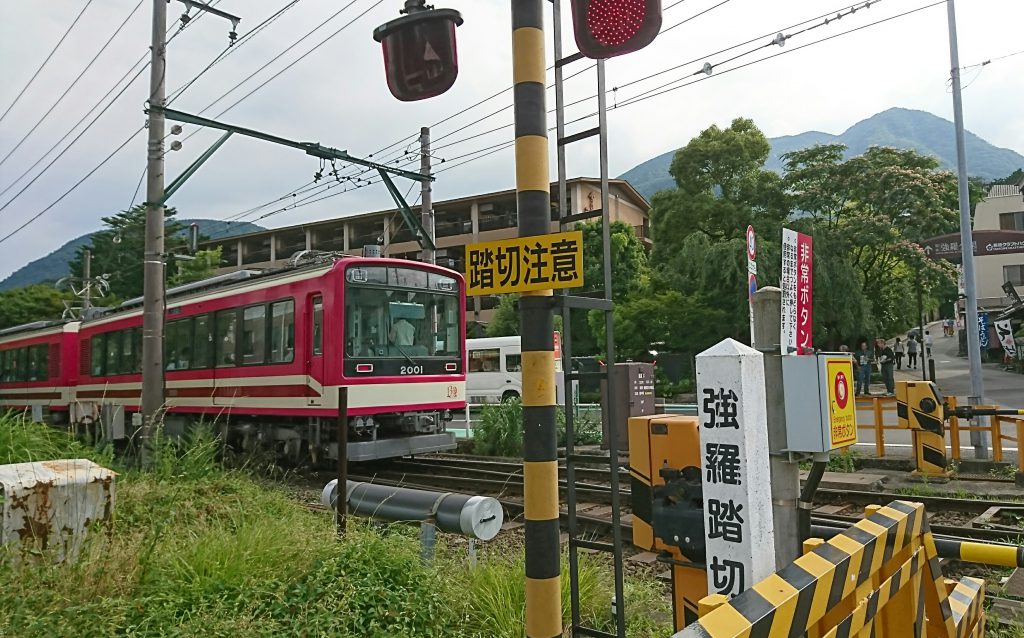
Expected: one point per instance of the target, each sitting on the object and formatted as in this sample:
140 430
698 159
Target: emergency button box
821 410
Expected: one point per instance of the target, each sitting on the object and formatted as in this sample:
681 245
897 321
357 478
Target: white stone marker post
734 461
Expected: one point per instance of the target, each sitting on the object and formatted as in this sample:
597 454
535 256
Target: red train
263 355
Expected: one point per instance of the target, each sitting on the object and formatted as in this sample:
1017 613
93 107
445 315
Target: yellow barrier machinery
922 409
668 503
879 578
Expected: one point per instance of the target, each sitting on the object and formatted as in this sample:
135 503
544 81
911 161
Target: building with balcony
999 244
457 222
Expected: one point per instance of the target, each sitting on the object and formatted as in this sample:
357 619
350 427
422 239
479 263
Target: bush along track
197 549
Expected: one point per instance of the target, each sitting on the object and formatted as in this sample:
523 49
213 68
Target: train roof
35 326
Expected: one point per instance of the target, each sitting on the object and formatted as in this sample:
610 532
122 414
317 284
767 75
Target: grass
500 432
197 549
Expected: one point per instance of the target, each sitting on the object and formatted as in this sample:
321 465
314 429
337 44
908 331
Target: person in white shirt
402 333
928 341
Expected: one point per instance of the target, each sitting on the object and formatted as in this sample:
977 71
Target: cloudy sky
337 95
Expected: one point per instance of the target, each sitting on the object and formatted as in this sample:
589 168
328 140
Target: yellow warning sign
842 406
525 263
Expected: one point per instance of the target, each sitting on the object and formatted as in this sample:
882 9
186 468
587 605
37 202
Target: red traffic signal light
420 59
606 28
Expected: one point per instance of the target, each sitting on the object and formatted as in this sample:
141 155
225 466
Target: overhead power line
46 61
142 60
71 86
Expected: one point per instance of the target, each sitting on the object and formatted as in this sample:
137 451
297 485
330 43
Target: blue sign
983 330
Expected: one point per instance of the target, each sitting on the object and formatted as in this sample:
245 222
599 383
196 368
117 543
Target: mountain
902 128
55 265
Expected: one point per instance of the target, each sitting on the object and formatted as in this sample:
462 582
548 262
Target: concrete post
785 475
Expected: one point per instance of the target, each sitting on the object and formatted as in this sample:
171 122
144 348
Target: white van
495 372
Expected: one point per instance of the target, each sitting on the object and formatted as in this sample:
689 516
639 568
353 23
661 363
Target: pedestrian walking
863 359
898 351
911 352
886 360
926 352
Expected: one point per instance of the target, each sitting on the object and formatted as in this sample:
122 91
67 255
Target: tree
31 303
868 216
721 188
118 249
202 266
505 320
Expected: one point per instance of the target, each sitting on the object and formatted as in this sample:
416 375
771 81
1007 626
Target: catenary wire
46 61
71 86
95 106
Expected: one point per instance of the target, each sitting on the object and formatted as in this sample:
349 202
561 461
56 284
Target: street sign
983 330
797 293
734 464
751 244
842 410
525 263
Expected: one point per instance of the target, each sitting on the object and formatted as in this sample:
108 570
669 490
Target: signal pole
428 253
978 438
153 256
536 312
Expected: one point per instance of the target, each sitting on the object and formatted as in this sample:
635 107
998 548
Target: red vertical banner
805 294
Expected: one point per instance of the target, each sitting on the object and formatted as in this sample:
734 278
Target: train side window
318 325
5 365
201 344
113 354
226 338
127 365
179 344
97 355
254 334
23 365
282 331
137 340
33 364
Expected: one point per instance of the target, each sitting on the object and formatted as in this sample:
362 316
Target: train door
315 346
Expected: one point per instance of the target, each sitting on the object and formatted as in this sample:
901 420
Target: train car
38 369
264 355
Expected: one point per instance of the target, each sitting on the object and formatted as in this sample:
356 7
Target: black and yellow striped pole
533 199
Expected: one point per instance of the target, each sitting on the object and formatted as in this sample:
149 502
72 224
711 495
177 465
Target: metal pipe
807 498
467 515
993 554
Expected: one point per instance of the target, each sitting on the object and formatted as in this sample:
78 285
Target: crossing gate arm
880 577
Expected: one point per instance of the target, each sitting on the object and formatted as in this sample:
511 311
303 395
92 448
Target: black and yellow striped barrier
880 578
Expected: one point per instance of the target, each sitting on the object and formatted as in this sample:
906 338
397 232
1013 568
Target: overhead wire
45 61
494 148
96 105
71 86
490 150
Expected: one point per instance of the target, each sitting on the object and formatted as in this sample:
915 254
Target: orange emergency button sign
842 412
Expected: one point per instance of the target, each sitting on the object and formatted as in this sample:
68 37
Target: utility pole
153 252
153 258
87 278
536 316
979 439
428 254
785 475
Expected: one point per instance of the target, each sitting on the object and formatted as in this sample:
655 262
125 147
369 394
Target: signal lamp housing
420 58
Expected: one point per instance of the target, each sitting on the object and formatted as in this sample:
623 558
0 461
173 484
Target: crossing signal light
420 59
606 28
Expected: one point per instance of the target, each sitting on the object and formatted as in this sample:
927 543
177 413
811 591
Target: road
953 375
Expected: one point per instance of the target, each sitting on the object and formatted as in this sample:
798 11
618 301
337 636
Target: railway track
503 480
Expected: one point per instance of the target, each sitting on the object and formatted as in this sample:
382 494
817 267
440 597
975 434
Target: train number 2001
412 370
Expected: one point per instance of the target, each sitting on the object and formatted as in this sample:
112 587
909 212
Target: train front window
395 315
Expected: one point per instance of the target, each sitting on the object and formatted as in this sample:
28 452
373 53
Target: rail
881 407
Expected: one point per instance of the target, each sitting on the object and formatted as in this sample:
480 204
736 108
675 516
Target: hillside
901 128
55 265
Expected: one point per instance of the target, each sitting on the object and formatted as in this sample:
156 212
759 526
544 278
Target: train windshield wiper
405 354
